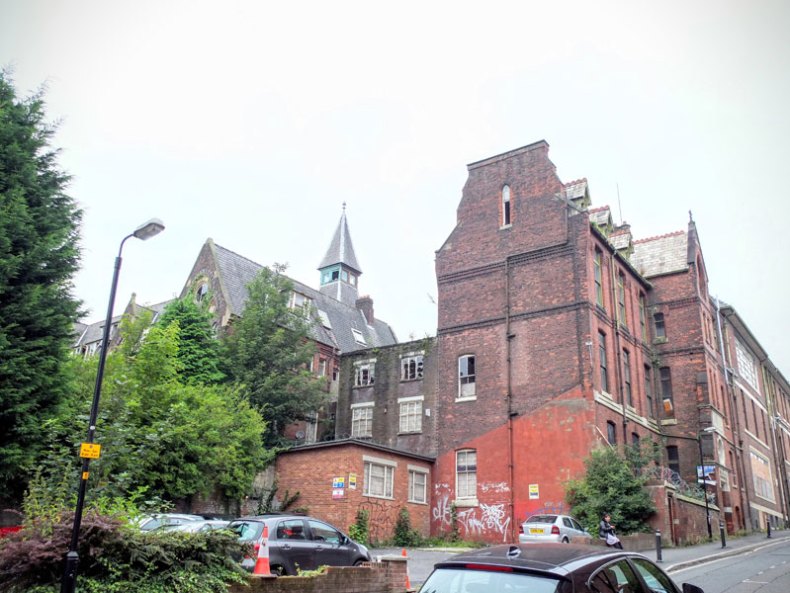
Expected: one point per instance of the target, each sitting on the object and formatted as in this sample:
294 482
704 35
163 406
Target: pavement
421 560
675 559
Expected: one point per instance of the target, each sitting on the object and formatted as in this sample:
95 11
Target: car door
580 531
332 547
655 578
292 546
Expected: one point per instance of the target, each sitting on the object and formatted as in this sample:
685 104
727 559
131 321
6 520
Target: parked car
157 520
195 526
550 568
550 528
298 541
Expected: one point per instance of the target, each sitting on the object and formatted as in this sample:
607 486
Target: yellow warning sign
85 475
90 450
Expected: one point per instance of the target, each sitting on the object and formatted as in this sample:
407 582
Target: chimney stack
365 304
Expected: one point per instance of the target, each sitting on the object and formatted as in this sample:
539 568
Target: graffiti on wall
484 520
381 520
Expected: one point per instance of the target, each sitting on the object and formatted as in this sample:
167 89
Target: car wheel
359 562
565 540
278 570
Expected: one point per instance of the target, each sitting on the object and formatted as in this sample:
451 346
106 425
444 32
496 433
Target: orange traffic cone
262 563
408 582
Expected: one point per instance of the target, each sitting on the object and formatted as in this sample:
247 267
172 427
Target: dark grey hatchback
550 568
298 542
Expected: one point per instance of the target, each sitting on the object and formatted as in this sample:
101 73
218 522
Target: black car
297 541
550 568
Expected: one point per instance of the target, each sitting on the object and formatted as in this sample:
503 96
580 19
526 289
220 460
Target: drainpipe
509 396
744 486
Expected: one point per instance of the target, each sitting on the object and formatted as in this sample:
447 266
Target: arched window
506 205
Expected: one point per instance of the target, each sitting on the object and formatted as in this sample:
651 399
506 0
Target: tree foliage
39 255
611 485
269 353
198 348
173 438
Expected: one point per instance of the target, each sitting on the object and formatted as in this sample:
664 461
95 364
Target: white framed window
322 367
466 376
411 366
746 365
364 372
410 410
418 485
300 302
379 477
362 420
466 473
358 337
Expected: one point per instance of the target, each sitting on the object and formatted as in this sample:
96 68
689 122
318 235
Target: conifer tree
39 255
198 348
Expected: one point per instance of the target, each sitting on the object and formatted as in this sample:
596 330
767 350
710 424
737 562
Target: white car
151 522
550 528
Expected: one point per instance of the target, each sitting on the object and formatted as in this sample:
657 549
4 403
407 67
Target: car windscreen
248 531
464 580
542 519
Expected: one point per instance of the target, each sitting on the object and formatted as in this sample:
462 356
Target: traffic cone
262 563
408 582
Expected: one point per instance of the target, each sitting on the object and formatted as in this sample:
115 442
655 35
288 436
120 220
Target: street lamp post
88 450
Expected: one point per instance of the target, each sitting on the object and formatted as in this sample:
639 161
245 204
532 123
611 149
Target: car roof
271 516
557 559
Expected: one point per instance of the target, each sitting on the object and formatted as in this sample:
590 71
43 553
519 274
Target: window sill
660 340
506 226
411 380
408 432
468 398
466 502
362 386
417 502
377 496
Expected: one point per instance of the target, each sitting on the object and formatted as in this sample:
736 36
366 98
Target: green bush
117 558
405 536
359 531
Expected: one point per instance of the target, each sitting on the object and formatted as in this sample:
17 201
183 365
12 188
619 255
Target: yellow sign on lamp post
90 450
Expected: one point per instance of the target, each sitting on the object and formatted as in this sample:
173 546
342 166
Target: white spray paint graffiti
495 487
475 521
442 512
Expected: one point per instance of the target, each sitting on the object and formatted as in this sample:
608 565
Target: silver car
550 528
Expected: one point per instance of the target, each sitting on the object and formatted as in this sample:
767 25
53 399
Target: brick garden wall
387 576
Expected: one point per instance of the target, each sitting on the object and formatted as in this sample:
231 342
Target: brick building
557 333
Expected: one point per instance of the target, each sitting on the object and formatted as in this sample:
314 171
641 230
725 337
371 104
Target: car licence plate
535 530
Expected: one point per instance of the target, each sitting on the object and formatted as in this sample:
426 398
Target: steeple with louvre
339 269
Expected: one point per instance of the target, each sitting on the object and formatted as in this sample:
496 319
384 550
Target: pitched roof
664 254
333 321
341 250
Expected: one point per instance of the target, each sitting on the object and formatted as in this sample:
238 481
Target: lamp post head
148 229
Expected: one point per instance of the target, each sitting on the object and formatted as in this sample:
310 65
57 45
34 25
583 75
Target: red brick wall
311 471
388 576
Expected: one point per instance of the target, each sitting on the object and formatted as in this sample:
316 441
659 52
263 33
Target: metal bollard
658 546
723 534
768 524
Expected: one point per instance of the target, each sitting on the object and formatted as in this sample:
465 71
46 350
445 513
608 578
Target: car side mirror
689 588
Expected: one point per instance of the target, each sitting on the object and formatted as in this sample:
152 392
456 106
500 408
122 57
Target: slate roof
236 271
91 332
600 216
664 254
341 250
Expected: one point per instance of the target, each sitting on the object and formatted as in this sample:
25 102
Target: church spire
339 269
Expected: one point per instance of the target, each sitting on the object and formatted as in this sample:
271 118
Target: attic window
358 337
299 301
324 319
201 292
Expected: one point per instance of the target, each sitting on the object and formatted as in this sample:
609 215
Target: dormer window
506 205
299 301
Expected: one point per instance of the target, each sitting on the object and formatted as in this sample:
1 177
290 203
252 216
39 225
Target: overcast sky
252 122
